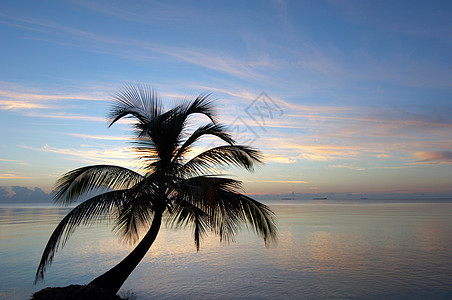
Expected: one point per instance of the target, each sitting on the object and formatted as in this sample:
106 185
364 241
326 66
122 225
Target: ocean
350 249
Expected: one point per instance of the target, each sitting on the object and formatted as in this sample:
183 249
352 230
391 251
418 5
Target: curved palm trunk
116 276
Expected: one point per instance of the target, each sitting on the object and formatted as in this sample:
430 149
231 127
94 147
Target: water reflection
351 251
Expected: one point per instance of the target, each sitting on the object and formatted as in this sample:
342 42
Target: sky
340 96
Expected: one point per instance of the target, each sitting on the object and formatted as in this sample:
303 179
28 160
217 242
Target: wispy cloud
251 68
98 137
277 181
156 13
434 157
279 159
16 105
20 100
116 156
63 116
287 181
8 160
13 176
13 161
45 97
337 133
394 167
287 150
347 166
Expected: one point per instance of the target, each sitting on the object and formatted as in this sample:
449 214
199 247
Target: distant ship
319 198
363 198
287 198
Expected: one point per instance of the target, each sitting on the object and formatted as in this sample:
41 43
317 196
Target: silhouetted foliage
172 180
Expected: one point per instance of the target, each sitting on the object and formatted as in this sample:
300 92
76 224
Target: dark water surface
326 250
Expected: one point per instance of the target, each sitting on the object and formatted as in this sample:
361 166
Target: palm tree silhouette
172 182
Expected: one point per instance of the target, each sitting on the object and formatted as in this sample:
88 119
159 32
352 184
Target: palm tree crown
172 180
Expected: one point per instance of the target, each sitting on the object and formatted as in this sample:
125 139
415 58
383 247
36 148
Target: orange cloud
98 137
10 100
434 157
116 156
13 176
294 151
12 104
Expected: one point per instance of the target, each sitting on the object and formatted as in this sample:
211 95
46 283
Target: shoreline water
267 201
329 248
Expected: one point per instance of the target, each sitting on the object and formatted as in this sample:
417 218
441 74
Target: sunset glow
341 97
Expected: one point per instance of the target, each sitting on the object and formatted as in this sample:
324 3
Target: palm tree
172 182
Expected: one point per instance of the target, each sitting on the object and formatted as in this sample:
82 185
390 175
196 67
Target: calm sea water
326 250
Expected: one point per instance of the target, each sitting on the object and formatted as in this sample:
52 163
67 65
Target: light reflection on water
325 250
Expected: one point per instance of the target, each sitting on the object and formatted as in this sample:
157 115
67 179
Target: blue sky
358 94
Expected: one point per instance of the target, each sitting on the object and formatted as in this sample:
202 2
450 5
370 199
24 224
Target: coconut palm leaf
203 104
185 214
208 129
95 209
137 212
261 217
138 101
222 156
93 178
133 215
227 208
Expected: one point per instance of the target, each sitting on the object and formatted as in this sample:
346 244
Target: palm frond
146 150
176 121
153 127
88 212
137 212
158 139
135 100
208 129
261 217
203 104
183 214
237 155
227 208
87 179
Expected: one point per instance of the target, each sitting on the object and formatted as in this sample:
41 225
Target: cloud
23 194
46 97
434 157
156 13
394 167
13 176
346 166
98 137
280 159
115 156
287 150
63 116
12 161
251 68
33 104
15 105
320 133
14 100
277 181
285 181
